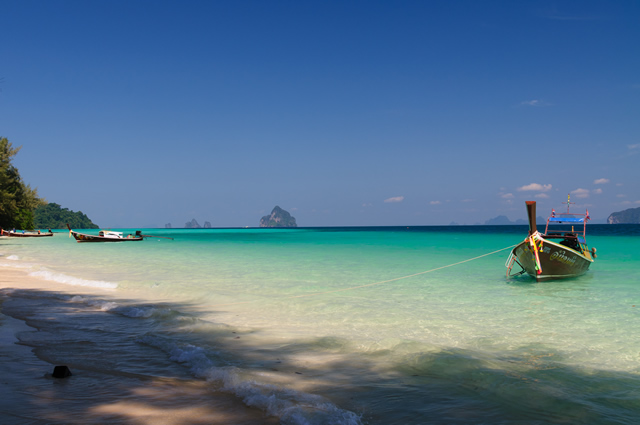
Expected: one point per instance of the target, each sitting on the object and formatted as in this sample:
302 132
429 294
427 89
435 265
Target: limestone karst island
278 218
631 215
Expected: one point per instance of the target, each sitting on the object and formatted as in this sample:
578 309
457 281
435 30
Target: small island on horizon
278 218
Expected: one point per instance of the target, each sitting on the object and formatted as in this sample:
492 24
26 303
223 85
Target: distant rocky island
503 220
193 224
629 216
278 218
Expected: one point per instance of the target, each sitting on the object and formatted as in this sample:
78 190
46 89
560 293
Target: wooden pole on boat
531 212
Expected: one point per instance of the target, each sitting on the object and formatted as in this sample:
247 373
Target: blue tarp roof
567 219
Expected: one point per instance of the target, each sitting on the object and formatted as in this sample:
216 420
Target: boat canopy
566 219
109 234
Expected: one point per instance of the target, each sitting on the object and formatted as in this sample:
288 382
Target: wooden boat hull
26 235
82 237
557 261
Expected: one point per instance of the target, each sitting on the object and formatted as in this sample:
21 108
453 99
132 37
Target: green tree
17 199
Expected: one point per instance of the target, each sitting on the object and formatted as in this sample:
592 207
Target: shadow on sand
126 370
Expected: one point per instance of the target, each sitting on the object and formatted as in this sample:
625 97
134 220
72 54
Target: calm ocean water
349 325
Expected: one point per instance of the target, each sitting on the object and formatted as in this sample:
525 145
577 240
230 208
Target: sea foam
15 264
290 406
70 280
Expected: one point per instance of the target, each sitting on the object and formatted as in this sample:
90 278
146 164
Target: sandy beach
31 396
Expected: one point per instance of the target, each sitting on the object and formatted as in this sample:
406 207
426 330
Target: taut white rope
313 294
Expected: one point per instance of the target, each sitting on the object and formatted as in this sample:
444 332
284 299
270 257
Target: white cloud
534 102
394 199
507 196
366 205
581 193
601 181
620 195
542 195
535 186
435 202
633 149
597 191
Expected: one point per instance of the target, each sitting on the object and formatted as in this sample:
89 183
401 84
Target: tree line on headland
22 208
53 216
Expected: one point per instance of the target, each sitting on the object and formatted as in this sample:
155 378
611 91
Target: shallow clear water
355 325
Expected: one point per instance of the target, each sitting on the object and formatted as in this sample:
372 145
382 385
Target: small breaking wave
17 265
132 311
146 312
291 406
70 280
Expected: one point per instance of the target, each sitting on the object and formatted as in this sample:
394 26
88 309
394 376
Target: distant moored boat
25 234
105 236
110 236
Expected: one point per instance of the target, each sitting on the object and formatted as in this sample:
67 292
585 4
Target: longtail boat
25 234
110 236
557 254
104 236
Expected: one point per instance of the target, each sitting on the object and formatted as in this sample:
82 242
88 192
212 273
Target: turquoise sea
347 325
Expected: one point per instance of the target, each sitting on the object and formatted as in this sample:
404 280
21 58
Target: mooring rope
313 294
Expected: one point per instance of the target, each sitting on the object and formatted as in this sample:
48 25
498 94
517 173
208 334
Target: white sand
29 395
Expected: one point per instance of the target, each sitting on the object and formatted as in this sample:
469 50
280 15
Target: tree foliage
17 199
52 216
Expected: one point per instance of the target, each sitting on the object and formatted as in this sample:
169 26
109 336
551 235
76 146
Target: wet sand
29 395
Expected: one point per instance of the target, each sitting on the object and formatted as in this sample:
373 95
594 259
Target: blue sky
354 113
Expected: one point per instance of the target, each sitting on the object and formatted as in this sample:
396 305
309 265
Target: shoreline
31 395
